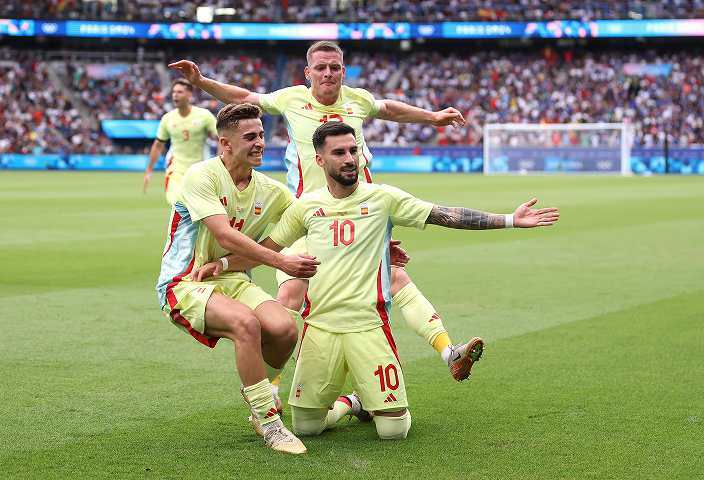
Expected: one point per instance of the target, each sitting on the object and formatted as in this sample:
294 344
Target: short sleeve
368 101
199 194
274 103
405 209
291 227
211 123
162 133
283 199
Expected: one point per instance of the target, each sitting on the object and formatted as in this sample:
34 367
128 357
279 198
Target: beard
345 181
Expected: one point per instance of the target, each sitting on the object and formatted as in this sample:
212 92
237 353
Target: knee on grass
308 421
393 427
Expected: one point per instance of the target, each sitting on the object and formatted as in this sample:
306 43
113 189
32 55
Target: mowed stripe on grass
591 368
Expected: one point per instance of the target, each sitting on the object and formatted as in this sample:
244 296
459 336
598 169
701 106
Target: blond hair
323 46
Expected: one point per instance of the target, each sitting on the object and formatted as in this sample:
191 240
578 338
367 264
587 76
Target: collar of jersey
337 103
352 195
232 183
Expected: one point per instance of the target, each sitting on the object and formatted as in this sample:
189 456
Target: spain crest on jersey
364 208
258 206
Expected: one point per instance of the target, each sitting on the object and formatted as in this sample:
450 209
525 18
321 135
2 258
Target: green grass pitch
594 366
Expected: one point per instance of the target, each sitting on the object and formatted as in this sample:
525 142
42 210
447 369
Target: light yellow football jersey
187 135
303 114
208 190
351 292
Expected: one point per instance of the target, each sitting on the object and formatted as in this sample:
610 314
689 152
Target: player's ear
306 72
319 160
225 145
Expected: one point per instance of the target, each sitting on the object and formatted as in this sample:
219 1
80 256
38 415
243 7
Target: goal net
557 148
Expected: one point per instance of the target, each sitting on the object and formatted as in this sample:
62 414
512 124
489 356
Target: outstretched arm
403 113
222 91
469 219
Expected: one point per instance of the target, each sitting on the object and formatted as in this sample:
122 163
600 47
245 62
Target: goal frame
624 128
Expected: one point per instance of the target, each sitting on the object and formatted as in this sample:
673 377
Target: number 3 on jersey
342 232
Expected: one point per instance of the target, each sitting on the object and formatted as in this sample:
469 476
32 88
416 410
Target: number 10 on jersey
342 232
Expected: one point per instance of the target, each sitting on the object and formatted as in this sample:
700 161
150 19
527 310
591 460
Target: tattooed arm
465 218
468 219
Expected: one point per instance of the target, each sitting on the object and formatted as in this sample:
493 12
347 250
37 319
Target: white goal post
557 148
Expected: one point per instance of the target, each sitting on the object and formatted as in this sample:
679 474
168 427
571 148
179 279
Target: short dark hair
330 129
184 82
230 115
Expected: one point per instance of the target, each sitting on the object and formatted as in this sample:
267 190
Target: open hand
527 217
188 69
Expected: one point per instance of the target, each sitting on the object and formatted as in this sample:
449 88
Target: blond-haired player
187 128
225 206
347 226
304 110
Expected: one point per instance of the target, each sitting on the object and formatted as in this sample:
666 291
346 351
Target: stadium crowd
39 115
660 94
355 10
550 87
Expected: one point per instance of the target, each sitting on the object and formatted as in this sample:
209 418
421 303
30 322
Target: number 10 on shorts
385 377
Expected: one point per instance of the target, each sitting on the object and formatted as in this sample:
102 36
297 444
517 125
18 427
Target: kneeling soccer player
347 226
224 205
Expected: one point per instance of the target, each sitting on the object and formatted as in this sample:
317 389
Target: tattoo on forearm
465 218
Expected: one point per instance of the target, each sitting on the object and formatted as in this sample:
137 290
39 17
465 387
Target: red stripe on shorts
306 311
381 308
170 297
174 225
300 344
204 339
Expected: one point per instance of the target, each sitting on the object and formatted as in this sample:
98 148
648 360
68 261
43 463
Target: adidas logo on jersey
434 317
223 200
319 213
307 106
390 398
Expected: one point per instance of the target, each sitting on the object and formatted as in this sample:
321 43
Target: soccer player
347 226
224 207
304 109
187 127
